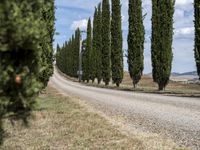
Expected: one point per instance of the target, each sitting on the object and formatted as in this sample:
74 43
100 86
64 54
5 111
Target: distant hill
176 74
193 73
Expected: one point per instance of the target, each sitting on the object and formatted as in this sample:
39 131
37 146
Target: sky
71 14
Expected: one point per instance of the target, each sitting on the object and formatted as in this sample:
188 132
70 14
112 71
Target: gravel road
175 117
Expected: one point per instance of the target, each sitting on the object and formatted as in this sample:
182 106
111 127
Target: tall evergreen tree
47 44
116 43
77 49
84 59
135 41
74 56
88 50
106 42
93 57
197 34
99 45
162 37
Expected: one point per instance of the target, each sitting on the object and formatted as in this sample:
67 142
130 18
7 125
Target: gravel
177 118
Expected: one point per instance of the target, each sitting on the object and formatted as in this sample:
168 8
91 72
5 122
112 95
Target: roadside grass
64 123
146 85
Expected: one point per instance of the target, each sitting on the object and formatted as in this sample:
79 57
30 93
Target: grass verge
62 123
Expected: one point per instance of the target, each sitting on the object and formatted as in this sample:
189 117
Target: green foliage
23 37
88 50
135 41
84 59
93 57
106 42
67 57
76 52
162 37
197 34
116 43
47 44
99 45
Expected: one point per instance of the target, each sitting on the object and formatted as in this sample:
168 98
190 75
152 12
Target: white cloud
81 24
184 31
179 13
183 2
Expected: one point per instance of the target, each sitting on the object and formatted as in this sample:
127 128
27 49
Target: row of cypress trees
68 55
97 54
26 55
103 55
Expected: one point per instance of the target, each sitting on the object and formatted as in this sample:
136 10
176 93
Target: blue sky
71 14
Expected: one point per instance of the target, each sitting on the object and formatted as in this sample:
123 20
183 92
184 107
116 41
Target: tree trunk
134 85
99 81
117 84
161 87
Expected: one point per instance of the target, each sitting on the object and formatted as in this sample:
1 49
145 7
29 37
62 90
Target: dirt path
174 117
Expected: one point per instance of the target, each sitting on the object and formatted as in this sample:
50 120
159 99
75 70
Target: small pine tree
106 42
135 41
162 37
116 43
197 34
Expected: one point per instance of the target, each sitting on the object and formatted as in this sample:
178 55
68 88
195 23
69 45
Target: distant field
147 83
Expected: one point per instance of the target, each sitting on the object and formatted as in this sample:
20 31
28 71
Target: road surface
175 117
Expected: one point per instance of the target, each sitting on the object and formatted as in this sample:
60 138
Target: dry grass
147 85
147 82
64 123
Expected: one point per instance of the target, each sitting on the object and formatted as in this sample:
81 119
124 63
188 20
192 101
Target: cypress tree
106 43
197 34
47 43
162 37
73 57
135 41
84 59
88 50
99 45
93 56
77 48
116 43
